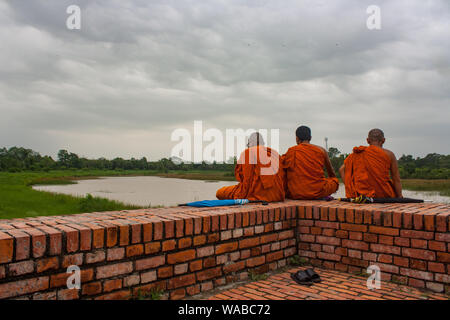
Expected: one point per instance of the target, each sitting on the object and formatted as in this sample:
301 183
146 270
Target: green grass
19 200
441 186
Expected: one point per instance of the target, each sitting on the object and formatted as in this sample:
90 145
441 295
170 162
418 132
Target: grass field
18 199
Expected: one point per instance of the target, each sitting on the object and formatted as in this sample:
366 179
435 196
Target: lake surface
157 191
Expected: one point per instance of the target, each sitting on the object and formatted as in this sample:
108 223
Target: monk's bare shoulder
390 154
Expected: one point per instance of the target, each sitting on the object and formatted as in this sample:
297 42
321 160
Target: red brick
286 234
417 274
328 240
72 238
38 241
205 251
273 256
181 256
177 294
85 236
181 281
385 258
115 254
256 261
94 257
437 246
184 243
47 264
150 263
226 247
403 242
165 272
135 250
209 274
23 241
269 238
354 227
111 285
169 229
73 259
342 234
234 267
21 268
250 242
157 230
386 240
418 264
152 247
195 265
417 234
359 245
384 231
443 257
327 224
113 270
91 288
169 245
385 249
400 261
328 256
117 295
436 267
209 262
147 232
22 287
445 237
68 294
6 247
419 243
419 254
199 240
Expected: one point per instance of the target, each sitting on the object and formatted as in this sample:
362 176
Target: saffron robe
305 177
367 173
259 175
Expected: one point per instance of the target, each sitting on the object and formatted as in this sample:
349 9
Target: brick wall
182 251
409 243
185 251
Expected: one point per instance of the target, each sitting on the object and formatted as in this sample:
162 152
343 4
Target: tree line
16 159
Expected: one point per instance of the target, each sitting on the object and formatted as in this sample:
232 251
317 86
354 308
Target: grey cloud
139 69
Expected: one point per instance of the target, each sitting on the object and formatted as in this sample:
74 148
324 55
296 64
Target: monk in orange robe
304 167
258 173
372 171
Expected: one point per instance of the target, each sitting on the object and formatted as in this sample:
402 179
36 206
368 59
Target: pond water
157 191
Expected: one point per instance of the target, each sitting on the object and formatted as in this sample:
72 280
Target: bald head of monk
376 138
303 134
255 139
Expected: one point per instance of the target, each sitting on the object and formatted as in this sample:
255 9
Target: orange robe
305 177
367 173
260 177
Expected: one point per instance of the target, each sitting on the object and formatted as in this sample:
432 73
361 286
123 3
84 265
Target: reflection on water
155 191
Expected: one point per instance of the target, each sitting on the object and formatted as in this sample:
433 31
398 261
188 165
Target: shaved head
255 139
376 135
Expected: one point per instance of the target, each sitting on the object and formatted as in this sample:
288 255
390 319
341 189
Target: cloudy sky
137 70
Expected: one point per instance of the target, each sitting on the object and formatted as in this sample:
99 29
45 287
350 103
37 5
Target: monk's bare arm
395 174
328 165
342 172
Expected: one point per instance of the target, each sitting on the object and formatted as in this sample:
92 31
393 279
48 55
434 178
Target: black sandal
302 278
313 276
